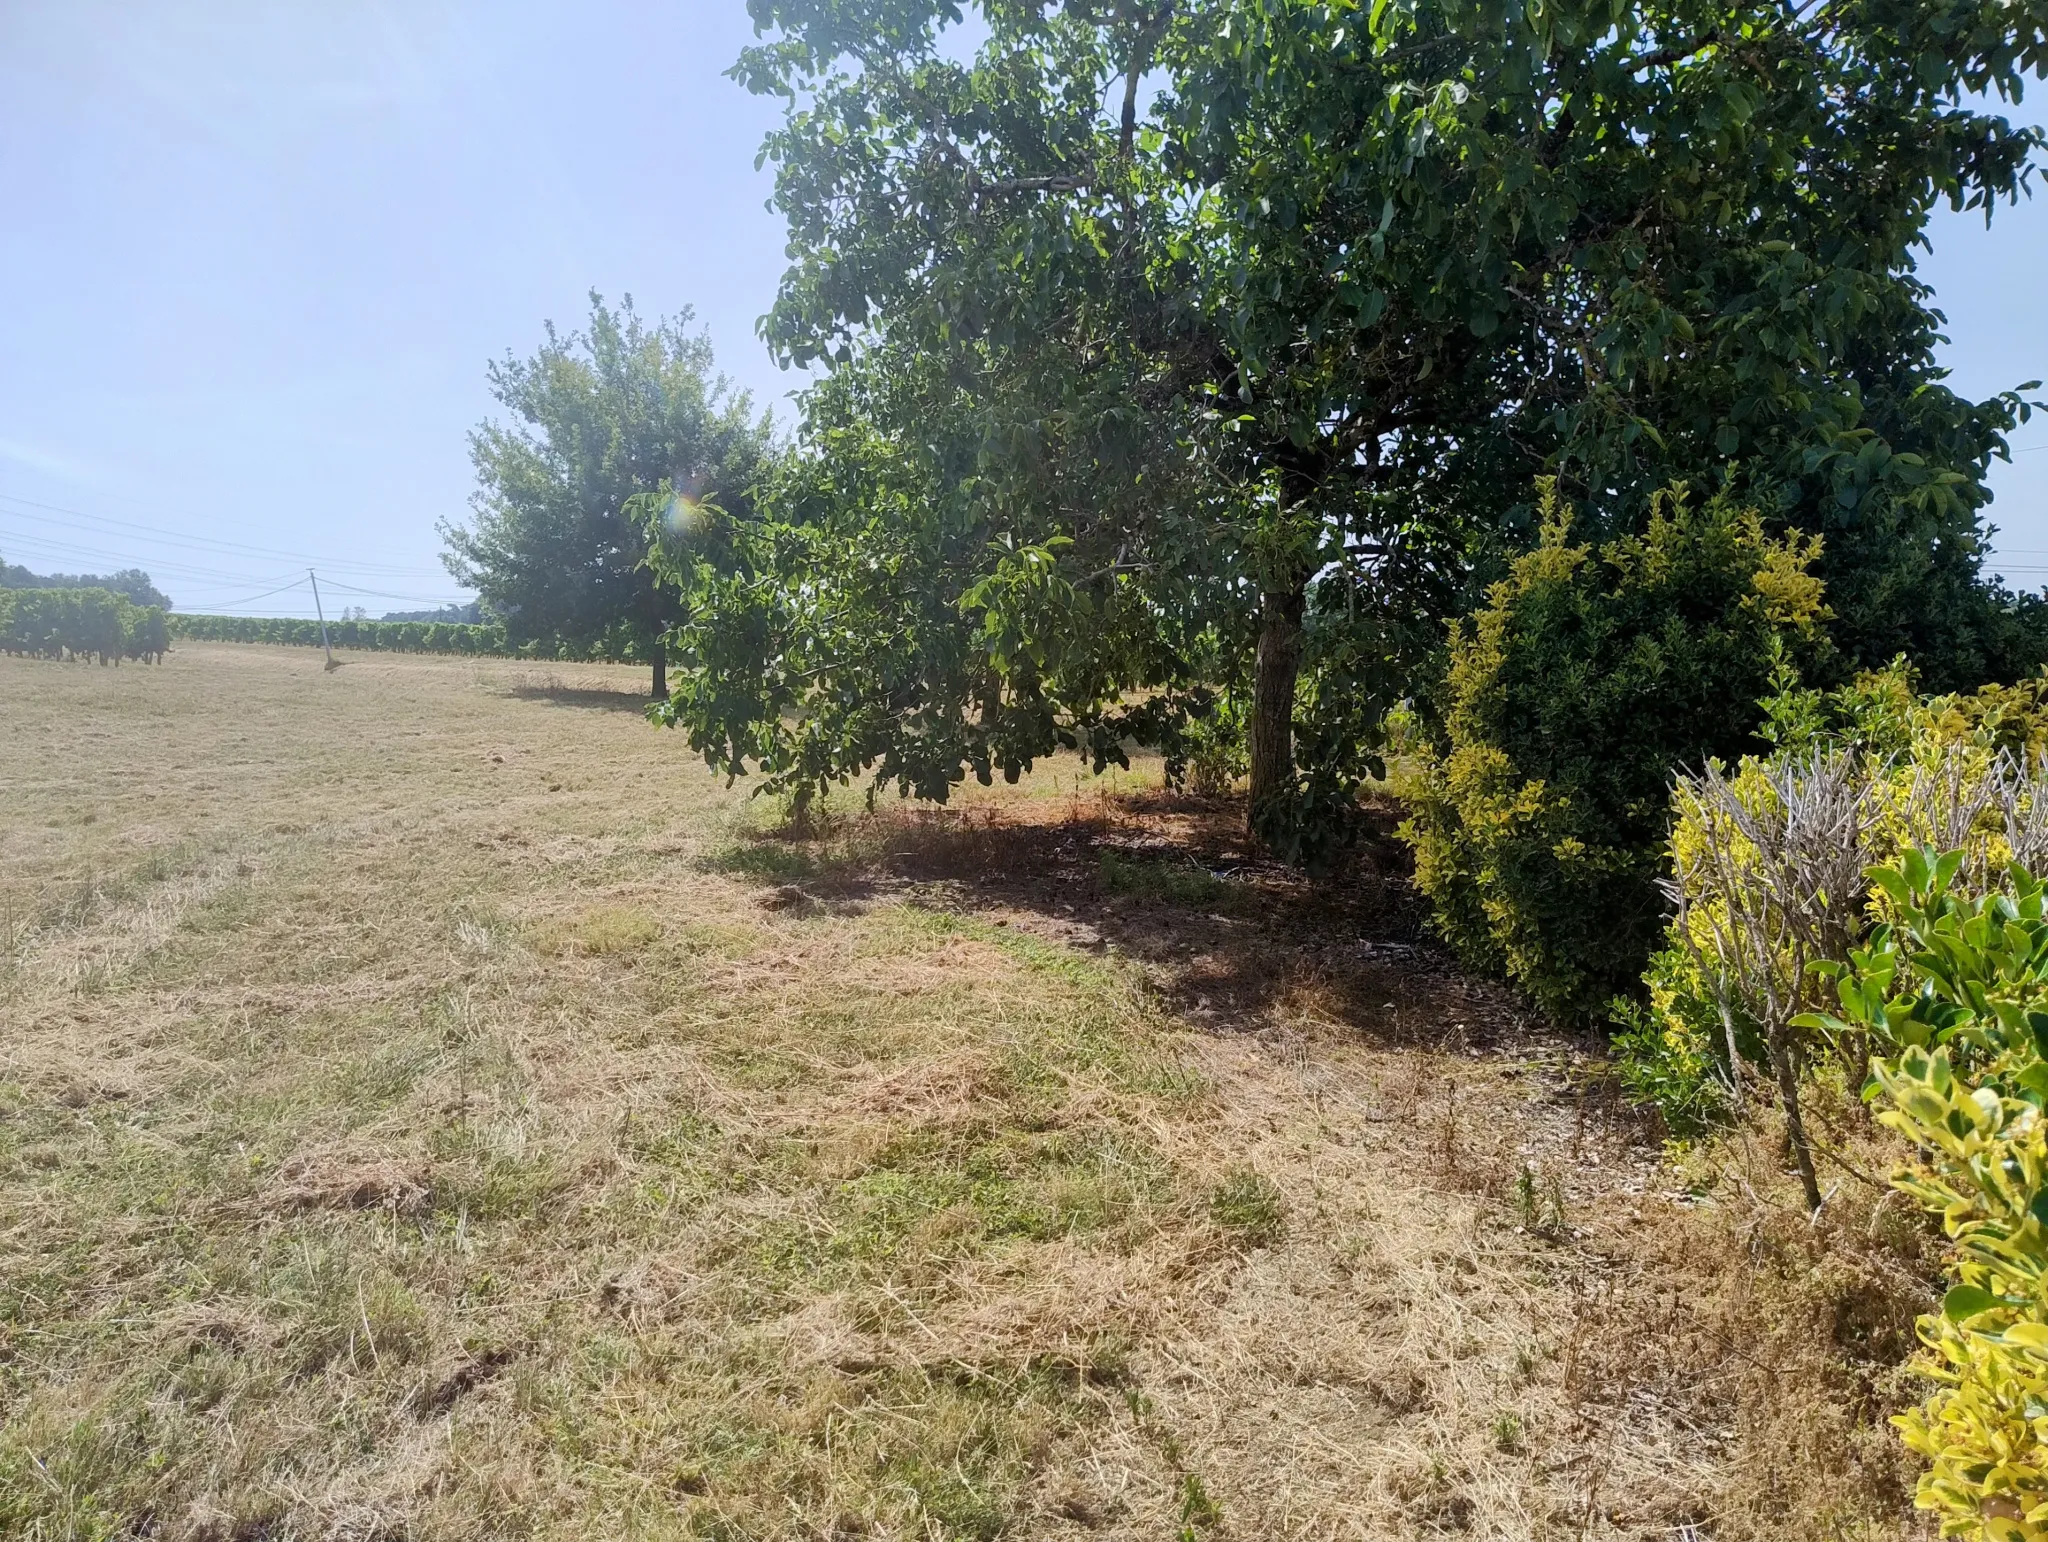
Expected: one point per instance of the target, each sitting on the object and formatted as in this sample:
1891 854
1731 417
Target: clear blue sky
256 257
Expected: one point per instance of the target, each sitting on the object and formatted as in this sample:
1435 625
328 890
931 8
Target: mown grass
429 1109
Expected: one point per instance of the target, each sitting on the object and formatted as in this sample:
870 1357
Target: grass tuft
1248 1205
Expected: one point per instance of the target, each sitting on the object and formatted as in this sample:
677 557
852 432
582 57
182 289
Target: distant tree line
132 584
80 624
471 614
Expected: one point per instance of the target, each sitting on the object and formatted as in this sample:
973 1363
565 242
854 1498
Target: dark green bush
80 623
1587 679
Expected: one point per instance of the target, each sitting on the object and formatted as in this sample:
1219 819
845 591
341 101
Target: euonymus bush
1540 820
1815 923
1956 989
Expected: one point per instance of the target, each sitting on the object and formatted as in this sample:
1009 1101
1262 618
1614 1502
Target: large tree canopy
600 416
1219 341
132 583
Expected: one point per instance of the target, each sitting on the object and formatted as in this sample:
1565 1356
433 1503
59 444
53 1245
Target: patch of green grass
679 1142
300 1340
1249 1205
333 1299
494 1172
369 1083
721 939
931 1197
234 908
1168 883
943 1453
779 860
598 932
64 1482
81 899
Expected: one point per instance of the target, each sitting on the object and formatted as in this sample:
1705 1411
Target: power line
203 543
41 547
253 598
379 594
65 552
180 538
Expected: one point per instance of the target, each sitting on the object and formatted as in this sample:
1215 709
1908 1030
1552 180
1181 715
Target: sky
258 255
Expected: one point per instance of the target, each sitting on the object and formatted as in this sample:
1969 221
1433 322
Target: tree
1363 275
896 599
131 583
599 416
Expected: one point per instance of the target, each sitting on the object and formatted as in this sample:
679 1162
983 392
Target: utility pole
319 611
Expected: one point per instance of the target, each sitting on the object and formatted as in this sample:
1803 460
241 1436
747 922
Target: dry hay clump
350 1178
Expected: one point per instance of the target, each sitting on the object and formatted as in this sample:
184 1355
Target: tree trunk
660 673
1275 671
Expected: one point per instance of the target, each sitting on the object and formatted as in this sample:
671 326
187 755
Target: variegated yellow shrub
1959 989
1538 820
1984 1432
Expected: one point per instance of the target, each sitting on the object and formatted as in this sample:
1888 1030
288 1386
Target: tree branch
1054 184
1673 54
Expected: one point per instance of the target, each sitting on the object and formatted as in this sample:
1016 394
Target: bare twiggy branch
1775 881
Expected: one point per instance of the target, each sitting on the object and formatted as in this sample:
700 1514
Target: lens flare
684 516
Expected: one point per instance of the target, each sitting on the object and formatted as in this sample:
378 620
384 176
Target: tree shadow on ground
1232 940
596 699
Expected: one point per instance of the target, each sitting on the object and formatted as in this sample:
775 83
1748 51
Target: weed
1198 1512
1539 1203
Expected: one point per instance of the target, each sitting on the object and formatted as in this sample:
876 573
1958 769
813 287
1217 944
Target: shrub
1668 1053
1956 772
1541 816
1955 990
1214 747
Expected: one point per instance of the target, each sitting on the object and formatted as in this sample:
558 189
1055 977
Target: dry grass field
432 1106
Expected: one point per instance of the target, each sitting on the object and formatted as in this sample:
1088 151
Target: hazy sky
256 256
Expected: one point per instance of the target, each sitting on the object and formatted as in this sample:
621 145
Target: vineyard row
81 624
486 640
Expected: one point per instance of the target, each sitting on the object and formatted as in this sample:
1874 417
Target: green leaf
1964 1302
2037 1207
